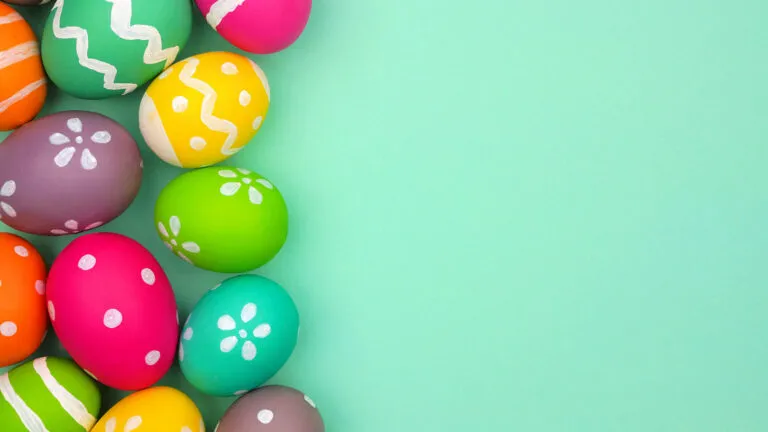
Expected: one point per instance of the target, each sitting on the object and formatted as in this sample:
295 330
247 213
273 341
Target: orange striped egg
22 78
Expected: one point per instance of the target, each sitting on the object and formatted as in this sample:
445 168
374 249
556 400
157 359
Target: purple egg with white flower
67 173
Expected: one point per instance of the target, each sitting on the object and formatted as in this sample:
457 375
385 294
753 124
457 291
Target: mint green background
512 216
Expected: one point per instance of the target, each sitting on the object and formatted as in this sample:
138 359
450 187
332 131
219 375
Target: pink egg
114 311
257 26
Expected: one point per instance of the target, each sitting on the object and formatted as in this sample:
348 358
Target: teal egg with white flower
238 336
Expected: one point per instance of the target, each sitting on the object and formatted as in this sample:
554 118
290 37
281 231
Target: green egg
239 335
222 219
48 393
99 49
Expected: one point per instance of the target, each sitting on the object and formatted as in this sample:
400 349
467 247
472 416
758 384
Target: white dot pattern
40 287
229 69
21 251
8 328
87 262
148 276
188 333
113 318
180 104
265 416
51 311
152 358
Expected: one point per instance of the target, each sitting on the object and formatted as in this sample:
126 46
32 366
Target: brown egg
272 409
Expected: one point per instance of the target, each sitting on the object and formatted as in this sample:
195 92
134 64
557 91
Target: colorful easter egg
272 409
155 409
222 219
66 173
257 26
96 50
204 109
23 321
22 78
238 336
113 308
48 394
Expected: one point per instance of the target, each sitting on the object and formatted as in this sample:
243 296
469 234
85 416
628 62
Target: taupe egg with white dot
272 409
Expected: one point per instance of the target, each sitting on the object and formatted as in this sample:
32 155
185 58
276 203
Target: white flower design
227 324
132 424
7 191
73 227
171 239
87 159
243 177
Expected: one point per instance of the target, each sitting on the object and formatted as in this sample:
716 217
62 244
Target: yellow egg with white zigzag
204 109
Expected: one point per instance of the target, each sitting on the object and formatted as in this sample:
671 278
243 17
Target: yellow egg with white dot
153 410
204 109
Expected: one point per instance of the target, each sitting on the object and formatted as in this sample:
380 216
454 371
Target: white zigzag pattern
209 102
81 37
220 10
121 25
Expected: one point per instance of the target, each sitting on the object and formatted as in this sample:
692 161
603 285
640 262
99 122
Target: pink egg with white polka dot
114 310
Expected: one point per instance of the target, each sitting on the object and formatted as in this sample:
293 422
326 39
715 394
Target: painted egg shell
66 173
272 409
113 309
222 219
258 26
96 50
204 109
23 321
238 336
22 79
156 409
48 394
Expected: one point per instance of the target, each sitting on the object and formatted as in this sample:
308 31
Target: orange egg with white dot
23 315
204 109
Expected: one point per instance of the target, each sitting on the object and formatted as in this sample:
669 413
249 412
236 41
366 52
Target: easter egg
154 409
222 219
204 109
48 394
238 336
96 50
22 79
272 409
67 173
257 26
23 321
114 310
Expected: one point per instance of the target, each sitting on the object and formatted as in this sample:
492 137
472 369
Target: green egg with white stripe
100 49
48 394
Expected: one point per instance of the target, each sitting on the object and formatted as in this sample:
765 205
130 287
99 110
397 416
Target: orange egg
23 315
22 78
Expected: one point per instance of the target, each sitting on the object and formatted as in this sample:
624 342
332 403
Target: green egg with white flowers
48 394
222 219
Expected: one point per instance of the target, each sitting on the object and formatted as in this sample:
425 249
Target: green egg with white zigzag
48 394
101 49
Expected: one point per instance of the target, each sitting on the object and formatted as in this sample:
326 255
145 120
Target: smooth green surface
246 309
223 218
512 216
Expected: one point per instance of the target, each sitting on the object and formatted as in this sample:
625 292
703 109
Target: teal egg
238 336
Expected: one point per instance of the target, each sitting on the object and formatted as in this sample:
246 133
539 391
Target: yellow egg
152 410
204 109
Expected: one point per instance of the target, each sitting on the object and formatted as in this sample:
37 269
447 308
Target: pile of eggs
105 295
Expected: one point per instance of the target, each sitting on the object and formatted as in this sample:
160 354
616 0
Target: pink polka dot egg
257 26
114 311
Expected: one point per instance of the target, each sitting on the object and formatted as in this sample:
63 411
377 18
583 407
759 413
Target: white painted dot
243 334
113 318
186 429
310 401
21 251
180 104
229 68
265 416
8 328
197 143
188 333
51 311
148 276
152 358
87 262
257 122
40 287
166 73
245 98
181 352
79 140
132 424
241 392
